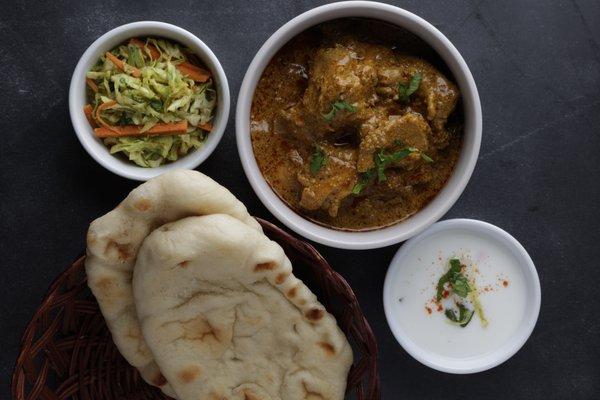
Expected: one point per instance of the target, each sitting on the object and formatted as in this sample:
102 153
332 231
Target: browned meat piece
382 131
401 183
337 74
332 183
438 94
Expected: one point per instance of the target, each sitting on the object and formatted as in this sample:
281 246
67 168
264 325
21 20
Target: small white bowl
472 128
447 235
77 98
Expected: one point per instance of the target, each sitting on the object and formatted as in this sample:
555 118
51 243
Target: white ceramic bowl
444 234
472 129
77 98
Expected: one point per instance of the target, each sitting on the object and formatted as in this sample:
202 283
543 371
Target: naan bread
227 320
114 239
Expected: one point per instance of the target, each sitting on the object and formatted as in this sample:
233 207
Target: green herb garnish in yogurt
458 283
455 282
464 315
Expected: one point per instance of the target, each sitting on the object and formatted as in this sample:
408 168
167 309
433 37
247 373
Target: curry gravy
287 124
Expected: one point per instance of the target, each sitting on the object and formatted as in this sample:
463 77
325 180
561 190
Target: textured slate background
537 66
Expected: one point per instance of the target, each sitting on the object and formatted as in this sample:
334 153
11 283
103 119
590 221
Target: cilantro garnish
405 91
338 106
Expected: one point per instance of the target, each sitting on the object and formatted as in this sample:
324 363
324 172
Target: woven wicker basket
67 351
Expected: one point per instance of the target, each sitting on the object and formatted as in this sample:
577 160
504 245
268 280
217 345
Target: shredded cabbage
160 94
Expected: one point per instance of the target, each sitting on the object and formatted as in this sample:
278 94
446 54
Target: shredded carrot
92 85
175 128
206 127
107 130
88 110
154 53
121 65
194 72
100 108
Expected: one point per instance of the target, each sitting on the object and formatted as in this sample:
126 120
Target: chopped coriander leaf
440 285
464 315
458 282
382 160
451 315
460 285
338 106
455 265
405 91
363 181
317 160
466 318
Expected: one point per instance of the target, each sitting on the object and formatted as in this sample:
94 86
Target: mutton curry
352 132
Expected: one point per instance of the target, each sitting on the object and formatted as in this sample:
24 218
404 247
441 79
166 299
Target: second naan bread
113 241
225 318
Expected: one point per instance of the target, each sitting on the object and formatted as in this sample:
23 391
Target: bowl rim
360 240
487 360
77 98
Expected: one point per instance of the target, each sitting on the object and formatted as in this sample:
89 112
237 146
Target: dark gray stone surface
537 66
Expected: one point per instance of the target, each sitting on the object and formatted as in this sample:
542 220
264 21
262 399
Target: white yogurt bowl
471 137
77 98
509 288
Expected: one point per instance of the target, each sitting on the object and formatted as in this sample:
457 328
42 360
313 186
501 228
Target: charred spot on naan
280 278
200 330
143 205
292 292
267 266
122 250
327 348
189 374
216 396
314 314
250 396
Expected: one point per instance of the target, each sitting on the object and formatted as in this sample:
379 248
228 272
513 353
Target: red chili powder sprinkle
505 283
428 310
439 307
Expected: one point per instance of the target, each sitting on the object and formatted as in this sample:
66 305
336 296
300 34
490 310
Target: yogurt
494 271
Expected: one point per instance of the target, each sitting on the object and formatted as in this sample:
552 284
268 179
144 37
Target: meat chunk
337 74
332 183
436 93
401 184
382 131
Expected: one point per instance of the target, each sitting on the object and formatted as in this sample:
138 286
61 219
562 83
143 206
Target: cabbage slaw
160 93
